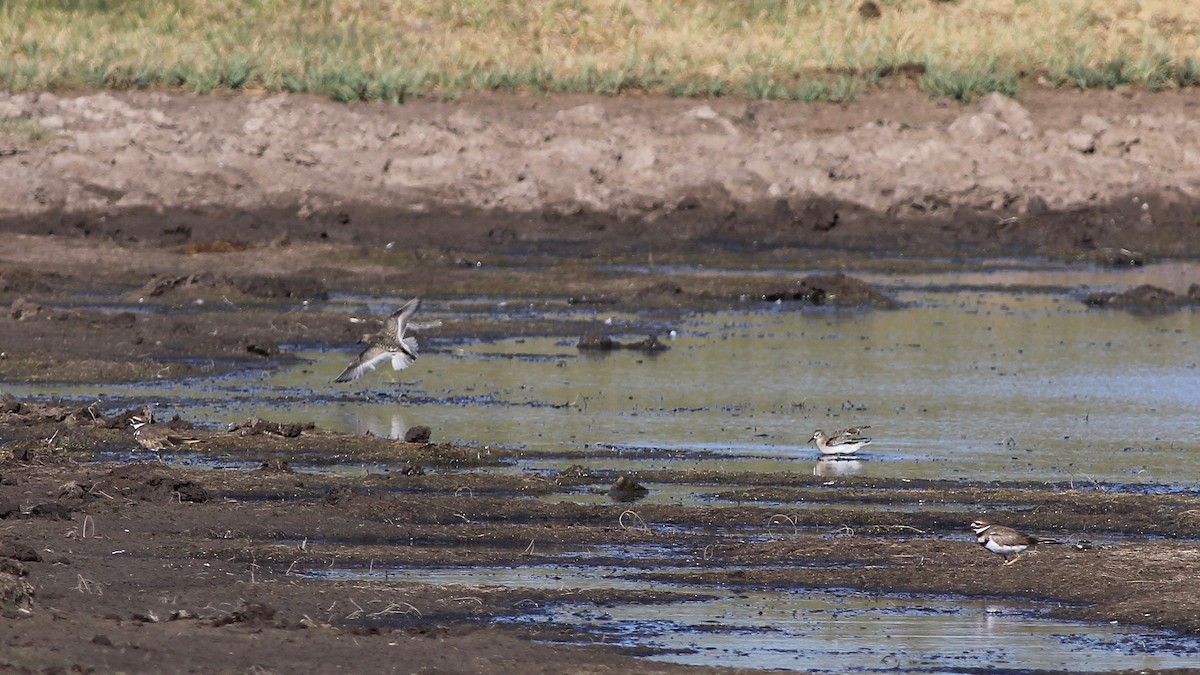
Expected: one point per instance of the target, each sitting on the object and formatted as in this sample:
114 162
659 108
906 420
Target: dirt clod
418 434
254 426
597 342
837 290
16 595
1145 298
626 489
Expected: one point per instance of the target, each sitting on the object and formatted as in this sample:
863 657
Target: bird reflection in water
837 467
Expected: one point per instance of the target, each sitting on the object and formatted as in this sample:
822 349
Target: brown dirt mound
1146 298
834 290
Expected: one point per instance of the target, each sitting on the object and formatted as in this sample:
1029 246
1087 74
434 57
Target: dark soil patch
834 290
1146 298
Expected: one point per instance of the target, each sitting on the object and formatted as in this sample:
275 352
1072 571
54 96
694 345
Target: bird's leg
1015 558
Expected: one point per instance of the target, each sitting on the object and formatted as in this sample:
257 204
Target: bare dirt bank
1060 172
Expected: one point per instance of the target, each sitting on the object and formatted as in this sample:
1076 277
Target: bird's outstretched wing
398 321
366 361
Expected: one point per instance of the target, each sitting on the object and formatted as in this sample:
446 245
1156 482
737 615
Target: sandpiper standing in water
843 442
389 343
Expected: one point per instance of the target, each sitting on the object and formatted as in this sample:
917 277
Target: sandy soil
1055 172
177 201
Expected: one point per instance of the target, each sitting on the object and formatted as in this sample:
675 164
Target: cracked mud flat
140 566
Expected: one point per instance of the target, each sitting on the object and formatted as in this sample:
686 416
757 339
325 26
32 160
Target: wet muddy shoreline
251 551
265 514
275 533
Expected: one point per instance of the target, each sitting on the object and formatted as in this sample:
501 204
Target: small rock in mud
10 566
27 281
177 423
1120 257
73 490
412 469
836 290
123 419
600 299
53 510
123 319
295 286
40 451
253 426
650 344
146 617
626 489
27 450
215 246
275 466
576 471
152 483
15 550
88 416
22 309
263 348
662 291
604 343
252 613
337 495
597 342
258 286
9 404
187 491
180 327
160 285
16 595
418 434
1146 298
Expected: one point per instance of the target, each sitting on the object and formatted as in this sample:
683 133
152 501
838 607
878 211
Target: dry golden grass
754 48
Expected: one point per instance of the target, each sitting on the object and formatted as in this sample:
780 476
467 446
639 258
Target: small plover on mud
156 437
1005 541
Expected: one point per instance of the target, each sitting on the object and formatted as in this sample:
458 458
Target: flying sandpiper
389 343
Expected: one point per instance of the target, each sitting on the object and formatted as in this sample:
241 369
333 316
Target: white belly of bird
1002 549
842 449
